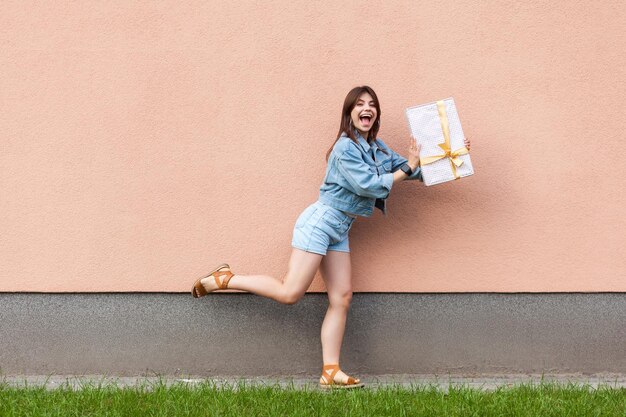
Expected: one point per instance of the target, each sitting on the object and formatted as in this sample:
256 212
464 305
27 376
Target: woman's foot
216 280
209 283
341 378
332 376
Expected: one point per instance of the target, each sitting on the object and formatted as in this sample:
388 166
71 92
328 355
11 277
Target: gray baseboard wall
129 334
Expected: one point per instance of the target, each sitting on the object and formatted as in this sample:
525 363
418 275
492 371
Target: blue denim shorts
320 228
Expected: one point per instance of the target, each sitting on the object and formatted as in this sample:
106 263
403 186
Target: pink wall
142 144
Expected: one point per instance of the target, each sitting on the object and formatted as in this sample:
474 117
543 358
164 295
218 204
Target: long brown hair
346 119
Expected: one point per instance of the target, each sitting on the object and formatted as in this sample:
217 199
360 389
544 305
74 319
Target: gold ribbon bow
455 161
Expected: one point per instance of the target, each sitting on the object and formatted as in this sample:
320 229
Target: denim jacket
355 182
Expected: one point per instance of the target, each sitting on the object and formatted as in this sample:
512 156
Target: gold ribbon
453 156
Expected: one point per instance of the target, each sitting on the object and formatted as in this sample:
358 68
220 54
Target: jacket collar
364 143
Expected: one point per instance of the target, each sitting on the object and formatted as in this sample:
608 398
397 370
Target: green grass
241 399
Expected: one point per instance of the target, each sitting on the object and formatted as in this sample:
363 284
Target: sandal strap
222 278
329 372
330 376
199 290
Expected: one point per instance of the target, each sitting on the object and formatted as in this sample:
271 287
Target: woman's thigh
301 270
336 269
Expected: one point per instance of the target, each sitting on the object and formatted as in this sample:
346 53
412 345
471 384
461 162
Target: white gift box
437 128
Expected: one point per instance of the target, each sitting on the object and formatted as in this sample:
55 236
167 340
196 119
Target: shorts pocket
305 216
332 220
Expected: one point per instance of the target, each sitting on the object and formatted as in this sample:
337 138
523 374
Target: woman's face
364 114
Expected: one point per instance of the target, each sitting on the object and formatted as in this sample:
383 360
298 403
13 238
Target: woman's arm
400 175
414 162
360 179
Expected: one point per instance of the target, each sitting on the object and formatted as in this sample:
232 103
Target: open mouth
366 120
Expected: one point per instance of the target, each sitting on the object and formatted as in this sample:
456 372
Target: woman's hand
414 154
466 142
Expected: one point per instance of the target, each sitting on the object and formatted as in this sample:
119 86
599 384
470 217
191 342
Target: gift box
437 128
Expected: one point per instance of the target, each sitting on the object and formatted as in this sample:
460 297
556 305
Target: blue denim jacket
355 182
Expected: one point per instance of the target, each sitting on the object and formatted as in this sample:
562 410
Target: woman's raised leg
301 271
336 270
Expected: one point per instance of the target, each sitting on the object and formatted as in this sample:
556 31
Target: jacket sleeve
397 161
363 182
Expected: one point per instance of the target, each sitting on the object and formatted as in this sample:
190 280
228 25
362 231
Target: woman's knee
291 296
342 300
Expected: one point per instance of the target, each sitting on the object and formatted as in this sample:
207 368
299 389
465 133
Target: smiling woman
364 113
360 172
361 111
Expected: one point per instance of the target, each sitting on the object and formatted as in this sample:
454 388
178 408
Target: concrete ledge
130 334
443 383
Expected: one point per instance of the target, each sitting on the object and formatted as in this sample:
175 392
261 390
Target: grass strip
243 399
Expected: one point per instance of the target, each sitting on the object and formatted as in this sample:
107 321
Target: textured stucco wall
144 142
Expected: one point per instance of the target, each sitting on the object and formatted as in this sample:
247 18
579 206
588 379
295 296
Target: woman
360 173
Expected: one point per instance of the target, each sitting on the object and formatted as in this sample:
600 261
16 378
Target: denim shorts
320 228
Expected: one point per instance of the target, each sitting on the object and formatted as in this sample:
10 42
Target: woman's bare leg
302 268
336 271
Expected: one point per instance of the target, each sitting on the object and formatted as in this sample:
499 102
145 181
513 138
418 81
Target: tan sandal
327 380
221 274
